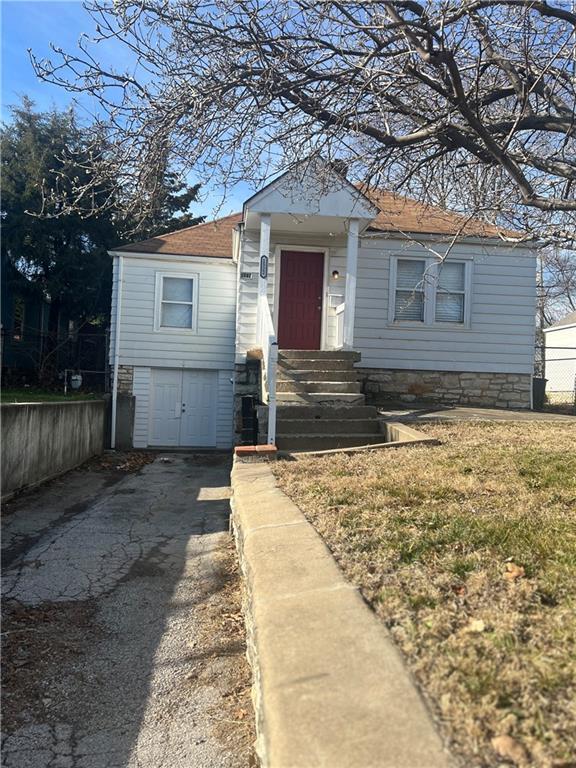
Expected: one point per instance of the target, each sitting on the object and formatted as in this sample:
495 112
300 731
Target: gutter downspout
116 349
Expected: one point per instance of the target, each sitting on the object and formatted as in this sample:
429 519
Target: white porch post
263 264
350 294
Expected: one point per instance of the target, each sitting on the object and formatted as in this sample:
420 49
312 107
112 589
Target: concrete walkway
123 641
423 412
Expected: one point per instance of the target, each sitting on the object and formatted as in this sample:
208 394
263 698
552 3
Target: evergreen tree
61 253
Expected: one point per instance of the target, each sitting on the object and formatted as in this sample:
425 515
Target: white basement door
183 408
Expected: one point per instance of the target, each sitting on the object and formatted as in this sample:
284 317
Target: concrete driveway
123 638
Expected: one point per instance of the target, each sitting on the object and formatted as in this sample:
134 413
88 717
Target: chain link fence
557 366
50 361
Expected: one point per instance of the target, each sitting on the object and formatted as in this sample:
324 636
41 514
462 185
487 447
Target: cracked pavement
123 636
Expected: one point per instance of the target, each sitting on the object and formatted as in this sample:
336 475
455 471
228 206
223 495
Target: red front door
300 301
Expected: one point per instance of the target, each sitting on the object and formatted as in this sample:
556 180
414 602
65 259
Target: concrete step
326 442
326 398
317 364
314 354
287 374
341 412
286 427
308 387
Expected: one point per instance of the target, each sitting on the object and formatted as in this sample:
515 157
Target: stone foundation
492 390
125 379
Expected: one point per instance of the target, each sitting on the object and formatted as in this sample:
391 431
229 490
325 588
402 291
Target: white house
368 296
560 360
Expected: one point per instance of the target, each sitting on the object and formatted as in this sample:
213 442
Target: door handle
183 407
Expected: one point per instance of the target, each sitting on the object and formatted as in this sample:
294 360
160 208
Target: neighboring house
560 360
351 279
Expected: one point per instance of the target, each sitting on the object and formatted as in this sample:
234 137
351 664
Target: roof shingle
402 214
212 239
397 214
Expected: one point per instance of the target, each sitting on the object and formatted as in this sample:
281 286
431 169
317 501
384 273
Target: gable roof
569 319
309 193
212 239
398 213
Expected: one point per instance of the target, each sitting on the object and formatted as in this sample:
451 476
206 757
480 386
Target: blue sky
37 23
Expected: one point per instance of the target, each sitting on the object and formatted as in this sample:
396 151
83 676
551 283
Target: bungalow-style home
320 300
560 360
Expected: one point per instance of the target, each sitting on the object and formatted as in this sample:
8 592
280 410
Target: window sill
430 326
186 331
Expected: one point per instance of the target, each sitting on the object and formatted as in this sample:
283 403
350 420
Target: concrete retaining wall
42 440
330 688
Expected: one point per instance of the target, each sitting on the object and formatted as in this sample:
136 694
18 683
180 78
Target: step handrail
340 325
268 343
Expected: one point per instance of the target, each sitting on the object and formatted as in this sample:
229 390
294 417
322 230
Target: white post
272 362
116 349
263 266
350 294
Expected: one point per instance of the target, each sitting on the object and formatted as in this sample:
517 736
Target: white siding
113 308
212 347
560 355
501 333
225 415
141 390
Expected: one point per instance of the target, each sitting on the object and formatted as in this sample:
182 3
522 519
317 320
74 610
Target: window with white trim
176 302
425 291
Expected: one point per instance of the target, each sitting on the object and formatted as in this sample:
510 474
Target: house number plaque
263 267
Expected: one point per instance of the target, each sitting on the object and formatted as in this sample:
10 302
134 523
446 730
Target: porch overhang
311 198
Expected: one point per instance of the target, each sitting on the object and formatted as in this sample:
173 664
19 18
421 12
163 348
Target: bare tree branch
400 90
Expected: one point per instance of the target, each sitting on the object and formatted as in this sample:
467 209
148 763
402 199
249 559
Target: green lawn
467 551
38 396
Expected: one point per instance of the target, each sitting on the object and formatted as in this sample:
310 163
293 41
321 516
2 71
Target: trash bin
538 393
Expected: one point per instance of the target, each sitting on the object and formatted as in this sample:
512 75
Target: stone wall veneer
493 390
125 379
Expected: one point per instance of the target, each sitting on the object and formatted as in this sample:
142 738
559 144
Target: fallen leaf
510 749
513 571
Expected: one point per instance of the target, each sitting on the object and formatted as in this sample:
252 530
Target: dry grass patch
467 551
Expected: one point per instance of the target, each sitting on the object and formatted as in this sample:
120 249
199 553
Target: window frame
158 301
430 291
